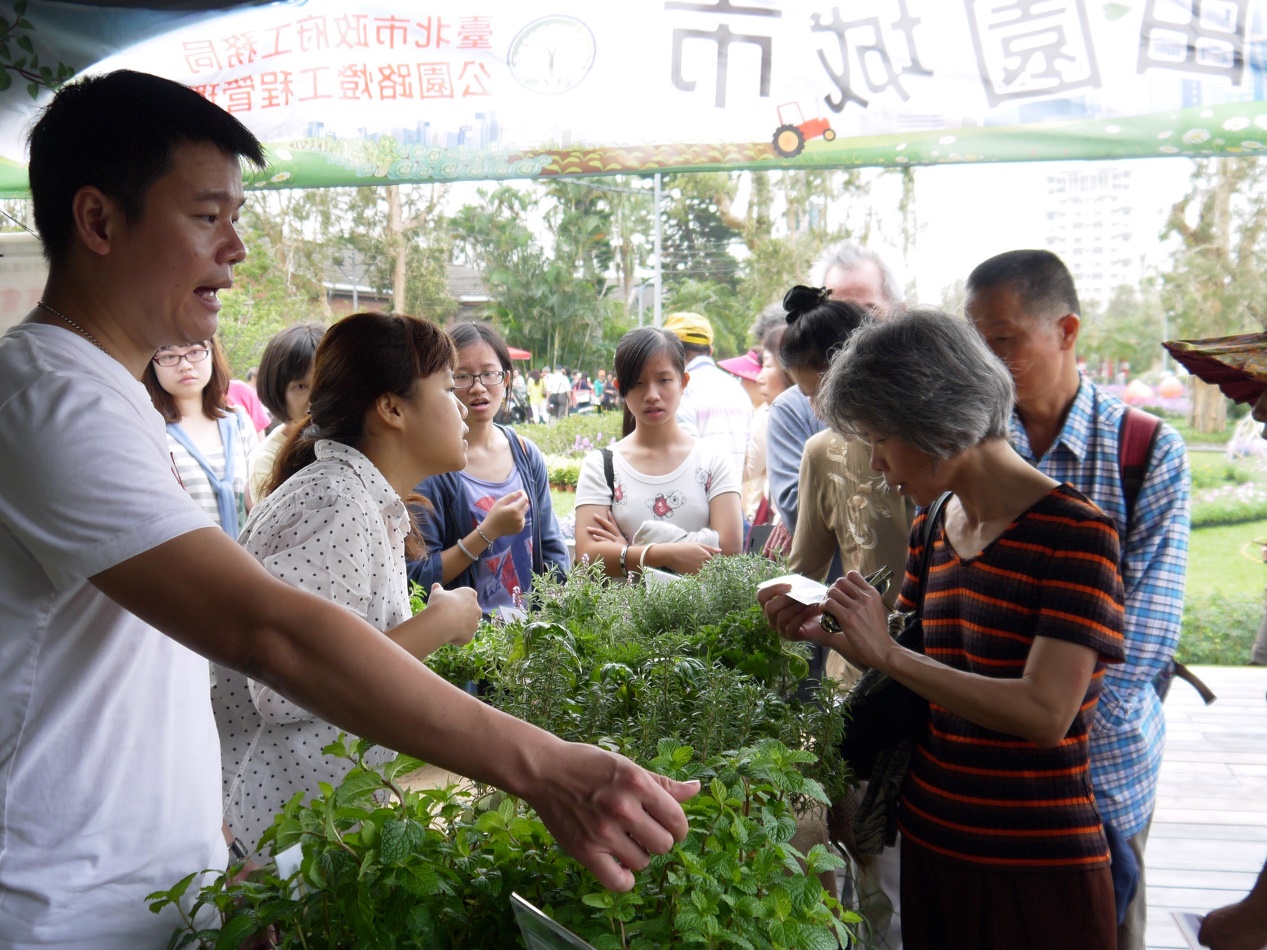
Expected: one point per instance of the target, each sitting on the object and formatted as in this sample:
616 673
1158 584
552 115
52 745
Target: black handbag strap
926 551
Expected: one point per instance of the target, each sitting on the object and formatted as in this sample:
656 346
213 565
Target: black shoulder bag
884 720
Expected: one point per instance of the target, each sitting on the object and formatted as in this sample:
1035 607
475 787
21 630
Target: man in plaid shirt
1025 306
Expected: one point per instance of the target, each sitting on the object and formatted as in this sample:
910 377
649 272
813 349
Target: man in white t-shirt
113 581
714 407
558 393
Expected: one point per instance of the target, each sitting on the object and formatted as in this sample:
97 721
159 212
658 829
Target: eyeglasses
489 379
192 356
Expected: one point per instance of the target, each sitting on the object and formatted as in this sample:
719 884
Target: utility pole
659 284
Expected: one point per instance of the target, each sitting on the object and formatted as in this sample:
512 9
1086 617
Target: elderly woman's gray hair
923 376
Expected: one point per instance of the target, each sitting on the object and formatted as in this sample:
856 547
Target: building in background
1096 225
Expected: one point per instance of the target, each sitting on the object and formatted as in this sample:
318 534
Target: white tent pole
659 284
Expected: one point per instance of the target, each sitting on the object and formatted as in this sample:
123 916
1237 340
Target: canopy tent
517 354
357 92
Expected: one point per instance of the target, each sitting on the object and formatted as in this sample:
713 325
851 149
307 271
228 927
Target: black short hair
287 357
117 132
693 350
1040 279
464 333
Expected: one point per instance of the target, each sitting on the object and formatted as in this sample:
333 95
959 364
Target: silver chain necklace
57 313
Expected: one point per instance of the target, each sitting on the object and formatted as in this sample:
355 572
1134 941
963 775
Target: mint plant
435 868
687 679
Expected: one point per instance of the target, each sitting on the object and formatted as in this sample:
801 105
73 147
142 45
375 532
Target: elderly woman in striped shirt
1002 845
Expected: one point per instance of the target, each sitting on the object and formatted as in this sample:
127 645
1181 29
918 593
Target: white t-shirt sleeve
687 419
721 476
322 546
85 484
591 483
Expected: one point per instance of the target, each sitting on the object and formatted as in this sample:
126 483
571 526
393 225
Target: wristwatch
237 851
624 556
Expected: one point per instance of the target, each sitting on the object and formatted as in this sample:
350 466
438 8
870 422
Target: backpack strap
609 472
1135 440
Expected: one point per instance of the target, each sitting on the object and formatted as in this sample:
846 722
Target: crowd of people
1050 609
552 394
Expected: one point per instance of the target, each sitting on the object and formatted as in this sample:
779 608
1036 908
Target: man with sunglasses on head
115 587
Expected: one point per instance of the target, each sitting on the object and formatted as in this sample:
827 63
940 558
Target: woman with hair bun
381 417
847 515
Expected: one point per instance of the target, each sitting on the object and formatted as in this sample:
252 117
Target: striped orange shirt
983 796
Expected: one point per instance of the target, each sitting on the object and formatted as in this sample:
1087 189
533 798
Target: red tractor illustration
790 137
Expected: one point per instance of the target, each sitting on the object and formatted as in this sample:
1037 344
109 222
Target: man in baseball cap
714 406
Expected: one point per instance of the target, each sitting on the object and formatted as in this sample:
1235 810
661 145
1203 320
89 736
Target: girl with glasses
209 439
492 525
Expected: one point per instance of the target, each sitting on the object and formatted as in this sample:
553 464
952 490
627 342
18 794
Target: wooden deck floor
1209 835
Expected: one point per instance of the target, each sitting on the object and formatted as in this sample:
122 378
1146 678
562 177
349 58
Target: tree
551 300
1127 329
280 281
405 240
1218 284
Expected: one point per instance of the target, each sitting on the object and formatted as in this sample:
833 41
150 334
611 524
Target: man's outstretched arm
207 593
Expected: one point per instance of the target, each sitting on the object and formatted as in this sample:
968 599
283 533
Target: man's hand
456 613
1238 926
605 811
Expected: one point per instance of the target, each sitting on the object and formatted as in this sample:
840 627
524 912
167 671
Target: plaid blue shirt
1129 733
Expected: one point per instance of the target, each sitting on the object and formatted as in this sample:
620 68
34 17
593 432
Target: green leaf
162 898
235 932
359 785
402 765
19 8
1115 11
6 80
25 43
399 839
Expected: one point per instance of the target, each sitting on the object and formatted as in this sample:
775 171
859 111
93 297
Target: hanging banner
357 92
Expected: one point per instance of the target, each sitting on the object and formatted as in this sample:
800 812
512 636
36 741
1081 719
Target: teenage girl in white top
660 473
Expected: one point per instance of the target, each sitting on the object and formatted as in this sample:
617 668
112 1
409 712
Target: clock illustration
551 55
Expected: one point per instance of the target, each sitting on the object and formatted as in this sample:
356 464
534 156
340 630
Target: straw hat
1236 364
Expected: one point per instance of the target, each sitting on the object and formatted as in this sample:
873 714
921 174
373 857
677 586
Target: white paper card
1189 925
804 591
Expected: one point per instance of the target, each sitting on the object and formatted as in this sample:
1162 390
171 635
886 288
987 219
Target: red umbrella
516 354
1236 364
